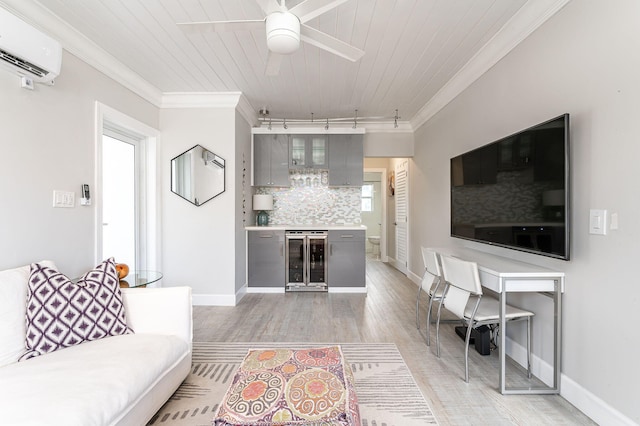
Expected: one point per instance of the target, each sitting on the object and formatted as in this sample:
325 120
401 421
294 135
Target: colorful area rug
387 393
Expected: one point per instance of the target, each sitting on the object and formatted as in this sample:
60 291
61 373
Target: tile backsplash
310 201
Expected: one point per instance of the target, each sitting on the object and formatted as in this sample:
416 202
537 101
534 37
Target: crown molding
530 17
200 99
234 100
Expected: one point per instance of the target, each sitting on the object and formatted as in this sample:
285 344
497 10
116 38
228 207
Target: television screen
514 192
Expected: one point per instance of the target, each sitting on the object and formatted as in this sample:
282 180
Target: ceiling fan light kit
283 32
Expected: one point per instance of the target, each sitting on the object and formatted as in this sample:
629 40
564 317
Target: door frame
383 194
149 185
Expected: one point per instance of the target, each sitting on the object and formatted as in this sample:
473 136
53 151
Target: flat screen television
514 192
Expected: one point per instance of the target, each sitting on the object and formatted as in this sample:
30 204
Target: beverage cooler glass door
317 264
295 259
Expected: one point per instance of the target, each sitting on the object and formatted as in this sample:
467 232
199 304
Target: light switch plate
598 222
65 199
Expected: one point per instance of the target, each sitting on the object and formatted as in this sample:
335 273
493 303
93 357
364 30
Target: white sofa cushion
94 383
13 302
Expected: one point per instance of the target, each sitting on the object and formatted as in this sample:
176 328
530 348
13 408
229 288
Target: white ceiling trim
77 44
531 16
234 100
200 99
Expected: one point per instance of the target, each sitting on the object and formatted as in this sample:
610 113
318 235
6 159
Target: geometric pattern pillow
61 313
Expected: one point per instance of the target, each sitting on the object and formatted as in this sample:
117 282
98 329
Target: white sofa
119 380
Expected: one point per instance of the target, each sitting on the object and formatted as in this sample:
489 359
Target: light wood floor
387 314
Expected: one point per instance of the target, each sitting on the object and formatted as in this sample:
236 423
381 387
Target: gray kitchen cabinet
346 263
308 151
346 154
270 160
266 266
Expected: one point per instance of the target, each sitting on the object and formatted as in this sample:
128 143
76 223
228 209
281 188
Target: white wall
583 61
199 241
48 143
388 144
242 197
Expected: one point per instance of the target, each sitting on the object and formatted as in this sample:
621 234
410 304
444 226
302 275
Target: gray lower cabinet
346 160
346 267
270 160
266 259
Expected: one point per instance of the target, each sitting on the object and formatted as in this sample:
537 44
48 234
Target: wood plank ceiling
412 48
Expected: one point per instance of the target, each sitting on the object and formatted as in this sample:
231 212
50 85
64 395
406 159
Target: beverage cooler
306 264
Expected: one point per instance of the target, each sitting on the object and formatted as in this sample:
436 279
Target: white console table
505 276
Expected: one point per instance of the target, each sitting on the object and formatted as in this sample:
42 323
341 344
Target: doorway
374 212
127 191
120 195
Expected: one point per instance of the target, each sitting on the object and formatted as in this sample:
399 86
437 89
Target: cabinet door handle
281 249
266 235
346 236
330 249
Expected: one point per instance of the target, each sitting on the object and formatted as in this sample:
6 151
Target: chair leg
429 320
438 327
429 309
466 353
529 347
418 306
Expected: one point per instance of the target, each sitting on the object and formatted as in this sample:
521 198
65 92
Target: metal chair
432 282
463 297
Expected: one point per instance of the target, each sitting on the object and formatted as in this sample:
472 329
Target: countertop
306 227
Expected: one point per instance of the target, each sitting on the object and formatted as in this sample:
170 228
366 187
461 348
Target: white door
402 220
119 198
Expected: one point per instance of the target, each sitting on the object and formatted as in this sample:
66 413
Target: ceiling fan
285 29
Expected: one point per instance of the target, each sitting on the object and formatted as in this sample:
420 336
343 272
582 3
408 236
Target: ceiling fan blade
220 26
269 6
330 44
273 64
309 9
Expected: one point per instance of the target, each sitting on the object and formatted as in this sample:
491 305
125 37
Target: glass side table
140 279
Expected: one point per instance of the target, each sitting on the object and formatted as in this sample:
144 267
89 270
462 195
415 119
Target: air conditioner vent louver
30 68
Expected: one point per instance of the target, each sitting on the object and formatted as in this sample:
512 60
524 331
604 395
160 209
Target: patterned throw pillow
61 313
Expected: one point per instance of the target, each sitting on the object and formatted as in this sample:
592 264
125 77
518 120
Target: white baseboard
347 289
413 277
214 300
597 409
591 405
275 290
219 299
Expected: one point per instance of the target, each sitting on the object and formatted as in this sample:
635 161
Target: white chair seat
489 310
463 298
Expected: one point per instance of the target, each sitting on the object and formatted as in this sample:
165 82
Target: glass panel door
298 152
319 151
119 200
317 262
295 259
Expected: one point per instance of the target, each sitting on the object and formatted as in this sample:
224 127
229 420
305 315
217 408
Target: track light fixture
355 120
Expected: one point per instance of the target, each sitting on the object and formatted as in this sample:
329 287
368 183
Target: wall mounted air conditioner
28 51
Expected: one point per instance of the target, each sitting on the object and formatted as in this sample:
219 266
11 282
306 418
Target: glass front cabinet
308 152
